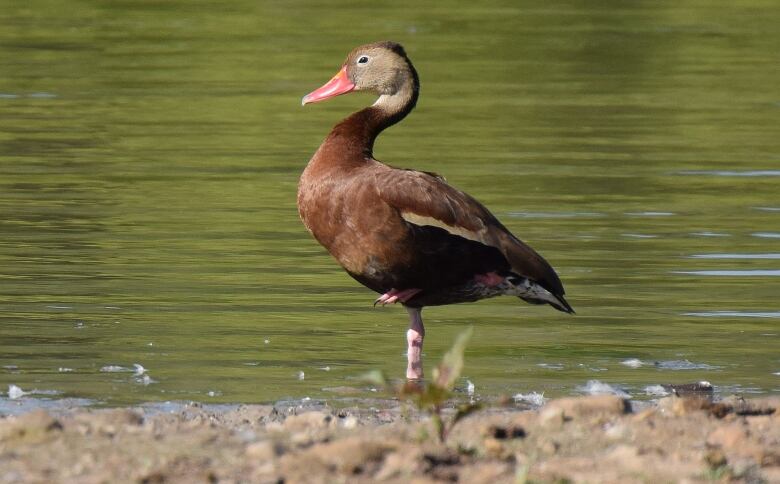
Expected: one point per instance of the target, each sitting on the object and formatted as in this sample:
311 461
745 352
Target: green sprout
431 397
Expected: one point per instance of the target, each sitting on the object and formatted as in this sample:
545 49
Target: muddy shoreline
579 439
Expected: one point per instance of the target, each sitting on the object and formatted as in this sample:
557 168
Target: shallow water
149 155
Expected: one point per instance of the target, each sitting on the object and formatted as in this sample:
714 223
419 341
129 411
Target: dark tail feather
563 306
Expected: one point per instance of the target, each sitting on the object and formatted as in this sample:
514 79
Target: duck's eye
363 59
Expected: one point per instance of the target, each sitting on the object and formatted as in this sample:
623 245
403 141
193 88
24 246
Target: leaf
438 424
410 388
464 411
434 396
448 371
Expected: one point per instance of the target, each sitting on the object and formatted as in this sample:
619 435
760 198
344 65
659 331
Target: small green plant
431 397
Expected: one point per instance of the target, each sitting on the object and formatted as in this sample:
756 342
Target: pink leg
393 296
414 339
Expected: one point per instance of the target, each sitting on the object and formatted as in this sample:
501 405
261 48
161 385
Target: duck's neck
356 134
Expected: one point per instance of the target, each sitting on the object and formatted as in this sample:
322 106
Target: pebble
578 407
263 450
307 420
551 417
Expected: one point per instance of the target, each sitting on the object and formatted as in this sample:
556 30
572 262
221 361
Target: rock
715 458
441 463
736 440
307 421
646 414
699 389
627 457
351 455
549 447
617 431
578 407
401 464
34 427
552 417
485 472
263 450
729 437
501 432
681 406
349 422
771 474
493 447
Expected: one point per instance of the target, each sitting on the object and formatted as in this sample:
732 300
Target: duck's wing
426 200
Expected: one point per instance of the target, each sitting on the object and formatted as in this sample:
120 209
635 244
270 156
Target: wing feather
426 199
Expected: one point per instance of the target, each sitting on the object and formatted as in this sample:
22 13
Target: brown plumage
407 234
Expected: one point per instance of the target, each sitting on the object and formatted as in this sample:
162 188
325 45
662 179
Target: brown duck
407 234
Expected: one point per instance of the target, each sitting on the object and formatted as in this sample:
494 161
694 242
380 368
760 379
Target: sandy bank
582 439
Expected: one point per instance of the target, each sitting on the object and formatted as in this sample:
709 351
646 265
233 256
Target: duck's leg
414 339
393 296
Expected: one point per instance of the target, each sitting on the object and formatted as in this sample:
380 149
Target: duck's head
381 68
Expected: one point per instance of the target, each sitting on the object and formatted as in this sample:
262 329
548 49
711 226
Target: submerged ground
581 439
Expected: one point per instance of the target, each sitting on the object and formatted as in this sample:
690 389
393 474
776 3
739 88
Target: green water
150 151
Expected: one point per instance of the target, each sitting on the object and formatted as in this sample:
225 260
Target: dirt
581 439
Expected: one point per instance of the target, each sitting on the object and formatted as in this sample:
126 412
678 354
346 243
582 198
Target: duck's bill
340 84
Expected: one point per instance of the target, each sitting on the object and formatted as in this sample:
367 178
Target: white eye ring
363 59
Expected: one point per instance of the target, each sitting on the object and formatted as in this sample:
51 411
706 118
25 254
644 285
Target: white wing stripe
422 220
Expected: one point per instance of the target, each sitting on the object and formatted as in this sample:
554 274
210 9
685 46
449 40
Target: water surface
149 156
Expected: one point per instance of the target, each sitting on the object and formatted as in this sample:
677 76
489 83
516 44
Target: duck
408 235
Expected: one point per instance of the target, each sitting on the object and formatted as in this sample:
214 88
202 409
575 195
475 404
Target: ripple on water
735 256
684 365
766 235
34 95
534 398
632 363
738 389
114 369
767 209
735 314
656 391
748 273
15 392
596 387
639 236
551 366
28 404
748 173
553 214
710 234
650 214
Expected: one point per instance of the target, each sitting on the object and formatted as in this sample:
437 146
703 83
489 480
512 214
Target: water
149 155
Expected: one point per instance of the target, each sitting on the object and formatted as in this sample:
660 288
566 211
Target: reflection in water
148 170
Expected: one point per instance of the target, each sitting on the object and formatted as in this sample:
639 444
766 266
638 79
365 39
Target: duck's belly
381 250
365 235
